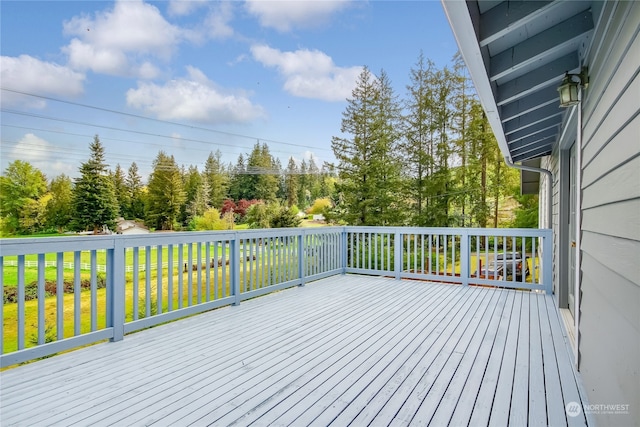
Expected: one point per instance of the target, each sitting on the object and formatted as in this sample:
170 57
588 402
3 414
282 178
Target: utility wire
154 119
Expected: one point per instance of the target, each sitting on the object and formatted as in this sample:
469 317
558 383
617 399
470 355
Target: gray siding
610 286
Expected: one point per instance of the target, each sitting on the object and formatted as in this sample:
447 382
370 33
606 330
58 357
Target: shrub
319 206
10 293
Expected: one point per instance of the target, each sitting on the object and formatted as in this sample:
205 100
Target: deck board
343 350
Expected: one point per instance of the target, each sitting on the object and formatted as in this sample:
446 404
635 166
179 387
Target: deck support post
116 282
397 254
465 257
234 269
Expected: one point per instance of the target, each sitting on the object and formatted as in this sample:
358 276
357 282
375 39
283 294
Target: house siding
609 343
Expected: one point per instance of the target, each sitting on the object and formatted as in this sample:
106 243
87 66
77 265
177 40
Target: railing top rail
26 246
517 232
54 244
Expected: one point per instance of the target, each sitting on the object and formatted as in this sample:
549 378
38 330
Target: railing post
397 253
115 314
301 256
234 269
465 257
343 252
547 259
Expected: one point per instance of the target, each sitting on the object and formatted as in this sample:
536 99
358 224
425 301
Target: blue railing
66 292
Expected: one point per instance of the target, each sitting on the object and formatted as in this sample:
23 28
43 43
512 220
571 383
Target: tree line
255 190
428 159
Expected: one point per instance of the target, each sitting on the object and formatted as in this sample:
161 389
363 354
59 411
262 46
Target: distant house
126 226
588 154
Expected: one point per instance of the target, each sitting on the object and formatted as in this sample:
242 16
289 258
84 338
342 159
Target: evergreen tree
262 180
94 200
165 193
217 179
304 195
367 160
314 180
135 193
417 127
120 188
192 183
462 100
291 183
239 186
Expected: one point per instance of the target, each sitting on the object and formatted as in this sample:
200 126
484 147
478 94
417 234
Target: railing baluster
76 293
60 295
147 280
262 259
437 254
234 269
190 275
268 245
181 268
94 291
533 261
170 274
159 279
243 261
136 278
216 269
21 305
41 296
199 273
430 252
225 246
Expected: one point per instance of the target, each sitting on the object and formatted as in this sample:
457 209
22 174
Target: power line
156 120
76 122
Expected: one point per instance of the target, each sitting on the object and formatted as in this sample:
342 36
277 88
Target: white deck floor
343 350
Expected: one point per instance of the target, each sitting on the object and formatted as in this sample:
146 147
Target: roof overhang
517 53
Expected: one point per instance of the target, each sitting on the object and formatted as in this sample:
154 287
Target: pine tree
418 159
262 180
94 201
217 179
239 185
133 182
461 115
304 195
120 188
166 193
367 161
291 183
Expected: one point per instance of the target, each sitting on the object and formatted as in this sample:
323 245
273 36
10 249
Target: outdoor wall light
568 89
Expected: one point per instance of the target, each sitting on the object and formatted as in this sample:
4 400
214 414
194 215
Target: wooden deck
343 350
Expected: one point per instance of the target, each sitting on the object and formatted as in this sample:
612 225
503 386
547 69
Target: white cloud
194 98
28 74
42 155
286 15
217 21
309 73
185 7
115 40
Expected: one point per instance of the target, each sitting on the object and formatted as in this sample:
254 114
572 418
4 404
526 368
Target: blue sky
191 77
